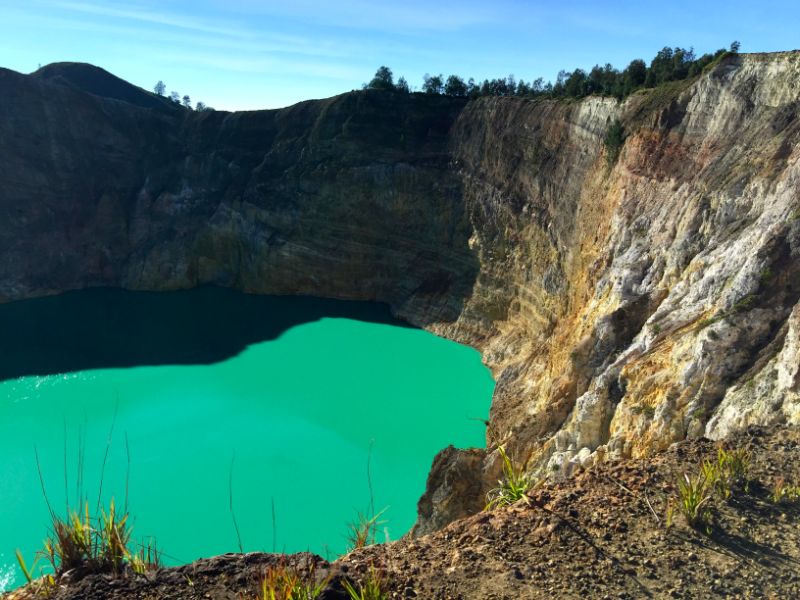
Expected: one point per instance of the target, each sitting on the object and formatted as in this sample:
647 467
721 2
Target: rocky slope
624 299
636 305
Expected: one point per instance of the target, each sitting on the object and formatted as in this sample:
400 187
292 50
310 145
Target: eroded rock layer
625 298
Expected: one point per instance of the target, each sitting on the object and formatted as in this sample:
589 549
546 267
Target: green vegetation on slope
669 64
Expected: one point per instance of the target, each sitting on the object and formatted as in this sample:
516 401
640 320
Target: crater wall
623 302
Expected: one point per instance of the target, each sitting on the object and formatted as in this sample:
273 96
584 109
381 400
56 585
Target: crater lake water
289 398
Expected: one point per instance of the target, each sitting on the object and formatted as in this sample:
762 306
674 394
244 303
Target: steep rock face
348 197
623 302
626 304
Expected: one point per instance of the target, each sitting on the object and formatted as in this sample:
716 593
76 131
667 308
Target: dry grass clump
282 582
81 545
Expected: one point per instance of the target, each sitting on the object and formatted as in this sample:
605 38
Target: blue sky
248 54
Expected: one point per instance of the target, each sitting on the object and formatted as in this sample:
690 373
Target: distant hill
100 82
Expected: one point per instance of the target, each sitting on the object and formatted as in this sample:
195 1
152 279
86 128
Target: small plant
373 587
734 469
728 472
284 583
783 493
694 498
708 321
71 544
710 473
24 567
744 304
669 518
114 537
721 477
361 532
148 558
511 487
42 586
89 545
614 140
644 409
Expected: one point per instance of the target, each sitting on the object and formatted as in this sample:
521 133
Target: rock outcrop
625 298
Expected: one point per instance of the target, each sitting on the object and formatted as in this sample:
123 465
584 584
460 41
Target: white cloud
399 17
267 42
149 16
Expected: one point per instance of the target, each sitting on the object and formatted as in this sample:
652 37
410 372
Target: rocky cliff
625 298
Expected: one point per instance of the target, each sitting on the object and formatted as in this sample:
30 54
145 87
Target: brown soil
598 535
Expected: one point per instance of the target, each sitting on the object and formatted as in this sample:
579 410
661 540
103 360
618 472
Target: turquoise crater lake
296 394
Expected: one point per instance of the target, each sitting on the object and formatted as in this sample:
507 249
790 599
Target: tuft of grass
89 545
719 477
783 493
728 473
362 532
511 487
669 518
148 558
42 586
285 583
694 499
372 587
114 537
733 467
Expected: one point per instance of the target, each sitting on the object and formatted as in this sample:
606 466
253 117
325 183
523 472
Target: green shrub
708 321
614 140
511 487
744 304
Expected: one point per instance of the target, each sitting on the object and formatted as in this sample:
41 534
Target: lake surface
293 397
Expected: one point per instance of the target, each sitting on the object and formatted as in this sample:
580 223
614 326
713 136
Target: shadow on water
109 328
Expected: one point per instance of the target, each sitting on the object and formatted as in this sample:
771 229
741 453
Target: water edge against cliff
296 389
